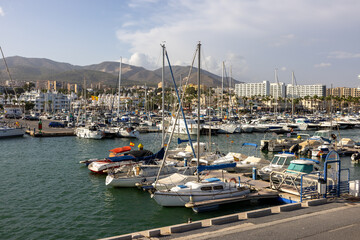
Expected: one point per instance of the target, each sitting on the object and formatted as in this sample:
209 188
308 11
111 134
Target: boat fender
233 180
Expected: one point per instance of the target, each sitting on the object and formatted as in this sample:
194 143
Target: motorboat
244 163
8 132
322 150
91 132
180 126
277 143
128 132
279 162
113 153
325 135
116 162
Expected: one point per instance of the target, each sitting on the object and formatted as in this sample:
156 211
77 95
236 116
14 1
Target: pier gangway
332 181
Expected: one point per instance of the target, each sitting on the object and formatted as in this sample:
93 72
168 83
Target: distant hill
42 69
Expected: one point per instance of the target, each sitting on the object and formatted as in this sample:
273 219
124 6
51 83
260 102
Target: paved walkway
336 220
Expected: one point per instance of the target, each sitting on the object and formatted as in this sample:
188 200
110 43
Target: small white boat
322 150
90 132
8 132
128 132
193 191
180 126
278 163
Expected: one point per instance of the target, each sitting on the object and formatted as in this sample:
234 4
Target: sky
317 39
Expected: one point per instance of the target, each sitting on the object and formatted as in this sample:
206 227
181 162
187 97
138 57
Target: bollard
254 173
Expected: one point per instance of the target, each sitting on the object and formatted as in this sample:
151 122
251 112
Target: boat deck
259 190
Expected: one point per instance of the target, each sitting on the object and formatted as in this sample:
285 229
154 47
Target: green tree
29 106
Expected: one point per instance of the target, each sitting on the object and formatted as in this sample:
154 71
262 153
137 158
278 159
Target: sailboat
123 131
89 131
195 191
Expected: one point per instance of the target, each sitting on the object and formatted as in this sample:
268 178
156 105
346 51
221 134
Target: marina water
47 194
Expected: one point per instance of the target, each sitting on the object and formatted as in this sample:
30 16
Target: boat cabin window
281 161
218 187
288 160
305 168
206 189
274 160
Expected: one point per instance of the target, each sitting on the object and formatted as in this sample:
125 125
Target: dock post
254 173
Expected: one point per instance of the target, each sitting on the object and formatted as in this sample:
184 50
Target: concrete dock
31 128
329 219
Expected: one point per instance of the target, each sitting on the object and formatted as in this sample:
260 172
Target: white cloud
141 60
343 55
229 28
322 65
2 12
283 40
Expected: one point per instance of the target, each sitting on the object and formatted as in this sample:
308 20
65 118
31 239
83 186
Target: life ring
233 180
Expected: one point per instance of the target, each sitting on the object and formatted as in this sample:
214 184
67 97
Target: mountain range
107 73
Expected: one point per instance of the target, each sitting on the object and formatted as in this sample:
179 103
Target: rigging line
157 64
8 71
177 115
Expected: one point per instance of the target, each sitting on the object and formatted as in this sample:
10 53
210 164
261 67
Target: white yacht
279 162
180 127
91 132
7 132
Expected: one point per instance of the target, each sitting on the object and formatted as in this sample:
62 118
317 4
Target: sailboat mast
222 90
292 95
198 113
163 97
277 93
118 105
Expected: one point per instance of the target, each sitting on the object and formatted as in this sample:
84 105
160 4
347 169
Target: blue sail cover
121 158
216 167
250 144
186 140
158 155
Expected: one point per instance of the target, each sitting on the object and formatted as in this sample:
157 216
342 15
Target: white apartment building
306 90
49 101
278 90
252 89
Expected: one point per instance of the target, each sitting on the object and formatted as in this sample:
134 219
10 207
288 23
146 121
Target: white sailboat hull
7 132
176 199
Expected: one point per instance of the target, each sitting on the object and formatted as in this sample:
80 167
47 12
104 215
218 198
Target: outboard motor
294 148
265 147
355 157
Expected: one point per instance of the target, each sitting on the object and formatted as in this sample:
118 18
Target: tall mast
163 96
277 93
222 90
118 105
198 113
292 95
